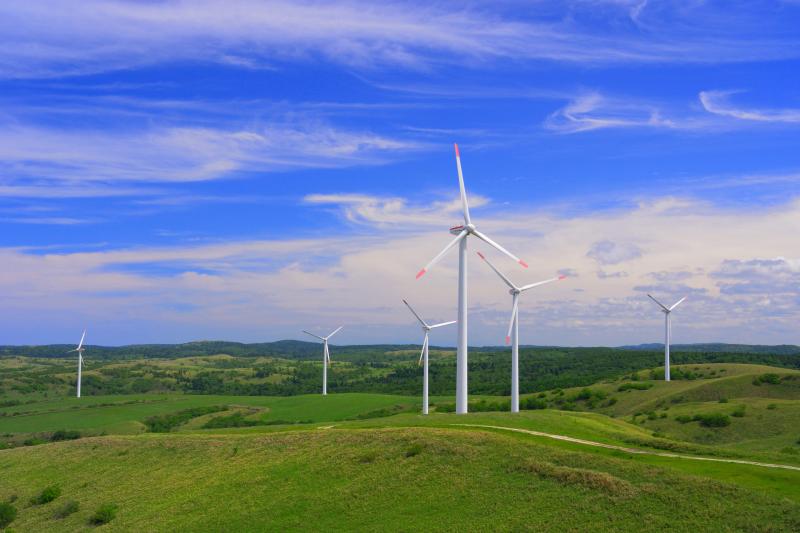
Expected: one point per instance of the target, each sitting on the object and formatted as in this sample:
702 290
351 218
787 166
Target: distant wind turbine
513 328
667 330
461 233
423 356
80 350
326 357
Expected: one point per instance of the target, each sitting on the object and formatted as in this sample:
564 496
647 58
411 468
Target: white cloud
718 103
387 213
60 37
269 289
50 162
594 111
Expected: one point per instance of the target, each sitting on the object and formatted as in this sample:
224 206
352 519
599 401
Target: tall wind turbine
80 350
326 357
667 330
423 357
461 233
513 328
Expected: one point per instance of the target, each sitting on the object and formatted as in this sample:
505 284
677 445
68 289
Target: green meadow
651 456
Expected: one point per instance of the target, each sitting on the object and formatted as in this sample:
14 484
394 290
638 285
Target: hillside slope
369 480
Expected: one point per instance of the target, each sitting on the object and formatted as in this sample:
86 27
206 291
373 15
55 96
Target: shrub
611 401
723 400
104 514
634 386
47 495
67 509
713 420
651 415
167 422
739 412
683 419
772 406
414 449
64 434
769 379
7 513
531 403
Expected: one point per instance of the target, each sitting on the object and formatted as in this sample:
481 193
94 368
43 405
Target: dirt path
631 450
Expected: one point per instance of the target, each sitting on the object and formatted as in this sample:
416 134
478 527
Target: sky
241 170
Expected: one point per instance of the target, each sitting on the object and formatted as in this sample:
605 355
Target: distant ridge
294 349
712 347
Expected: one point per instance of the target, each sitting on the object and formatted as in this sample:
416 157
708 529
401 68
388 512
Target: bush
7 513
772 406
634 386
713 420
723 400
683 419
739 412
769 379
47 495
414 449
531 403
64 434
104 514
68 508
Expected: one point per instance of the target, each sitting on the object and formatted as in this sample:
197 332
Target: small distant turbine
326 357
423 356
667 331
513 328
80 350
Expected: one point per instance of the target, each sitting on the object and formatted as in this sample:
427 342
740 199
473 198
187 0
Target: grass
378 479
370 461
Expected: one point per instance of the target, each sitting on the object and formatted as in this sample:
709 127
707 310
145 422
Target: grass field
371 462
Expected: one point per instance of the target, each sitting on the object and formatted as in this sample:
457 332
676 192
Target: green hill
369 480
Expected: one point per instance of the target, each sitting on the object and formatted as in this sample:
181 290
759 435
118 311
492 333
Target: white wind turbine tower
462 232
80 350
667 331
423 356
326 357
513 328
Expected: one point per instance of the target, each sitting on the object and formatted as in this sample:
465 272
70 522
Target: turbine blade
334 332
514 310
309 333
462 189
505 279
485 238
415 313
545 282
679 302
436 259
422 352
80 344
442 324
659 303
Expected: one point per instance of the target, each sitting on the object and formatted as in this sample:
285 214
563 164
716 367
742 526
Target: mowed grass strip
368 480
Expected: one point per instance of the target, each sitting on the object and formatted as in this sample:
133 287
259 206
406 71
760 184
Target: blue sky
173 171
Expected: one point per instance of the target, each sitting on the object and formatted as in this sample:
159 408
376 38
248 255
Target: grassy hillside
369 480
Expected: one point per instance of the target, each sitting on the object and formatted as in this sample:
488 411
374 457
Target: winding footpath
631 450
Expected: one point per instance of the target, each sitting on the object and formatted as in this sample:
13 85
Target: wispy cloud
594 111
718 102
57 162
388 212
58 37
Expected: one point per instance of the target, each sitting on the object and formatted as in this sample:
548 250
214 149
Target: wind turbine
461 233
423 356
513 328
326 357
80 350
667 330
